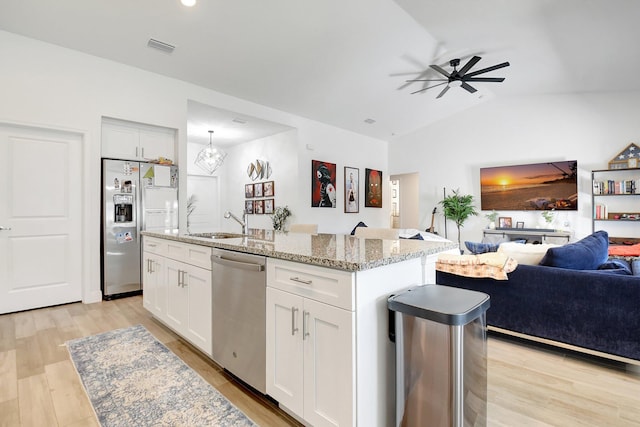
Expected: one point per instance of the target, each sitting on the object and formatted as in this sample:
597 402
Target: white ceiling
343 61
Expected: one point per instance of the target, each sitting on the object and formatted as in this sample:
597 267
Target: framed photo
519 224
323 184
248 206
267 189
257 189
351 189
258 207
373 188
248 191
505 222
268 206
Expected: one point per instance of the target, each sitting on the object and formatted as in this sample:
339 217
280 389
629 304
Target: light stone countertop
339 251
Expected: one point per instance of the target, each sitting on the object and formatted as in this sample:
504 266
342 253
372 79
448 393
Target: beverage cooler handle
392 323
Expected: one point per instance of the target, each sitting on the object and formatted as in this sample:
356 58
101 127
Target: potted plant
492 217
548 217
280 215
458 208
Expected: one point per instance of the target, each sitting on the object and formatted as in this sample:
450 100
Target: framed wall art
248 206
372 188
248 191
268 206
351 189
258 207
268 189
257 189
323 184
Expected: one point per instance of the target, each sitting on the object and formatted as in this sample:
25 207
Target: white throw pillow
527 253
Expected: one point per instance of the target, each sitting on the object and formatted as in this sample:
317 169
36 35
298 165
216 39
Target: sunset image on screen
538 186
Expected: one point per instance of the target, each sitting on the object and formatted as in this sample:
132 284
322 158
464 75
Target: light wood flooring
527 385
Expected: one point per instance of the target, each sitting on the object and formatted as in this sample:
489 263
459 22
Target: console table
531 235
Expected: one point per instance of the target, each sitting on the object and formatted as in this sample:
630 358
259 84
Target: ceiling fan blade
429 87
483 79
486 70
428 80
468 88
440 70
446 88
473 61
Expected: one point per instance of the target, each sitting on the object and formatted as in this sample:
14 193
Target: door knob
4 228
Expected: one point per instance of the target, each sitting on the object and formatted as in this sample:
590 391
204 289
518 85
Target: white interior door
40 213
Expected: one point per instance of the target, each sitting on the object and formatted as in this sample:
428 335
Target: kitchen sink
218 235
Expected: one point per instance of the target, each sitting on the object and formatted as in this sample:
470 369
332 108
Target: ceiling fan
461 77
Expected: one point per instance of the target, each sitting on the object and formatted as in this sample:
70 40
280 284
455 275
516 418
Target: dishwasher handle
219 259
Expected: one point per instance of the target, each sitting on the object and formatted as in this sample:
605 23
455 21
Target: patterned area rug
134 380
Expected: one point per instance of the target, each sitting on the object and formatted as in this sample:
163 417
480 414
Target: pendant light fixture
210 158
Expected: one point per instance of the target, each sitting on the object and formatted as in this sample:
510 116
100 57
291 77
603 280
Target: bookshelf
615 199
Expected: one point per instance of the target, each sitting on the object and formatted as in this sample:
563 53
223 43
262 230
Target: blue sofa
596 310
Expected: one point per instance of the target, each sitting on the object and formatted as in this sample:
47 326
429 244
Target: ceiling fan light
210 158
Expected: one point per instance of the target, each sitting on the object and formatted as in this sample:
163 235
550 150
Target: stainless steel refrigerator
136 196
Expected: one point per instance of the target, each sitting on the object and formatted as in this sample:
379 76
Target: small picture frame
505 222
520 224
248 206
258 207
268 206
268 189
257 189
248 191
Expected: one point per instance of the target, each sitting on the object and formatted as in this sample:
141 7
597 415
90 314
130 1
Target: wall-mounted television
536 186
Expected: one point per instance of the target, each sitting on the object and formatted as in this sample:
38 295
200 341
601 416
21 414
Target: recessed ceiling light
369 121
188 3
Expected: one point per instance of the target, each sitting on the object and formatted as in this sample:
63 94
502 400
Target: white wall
45 85
589 128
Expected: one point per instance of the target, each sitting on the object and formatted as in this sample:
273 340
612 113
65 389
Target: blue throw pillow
481 248
635 267
360 224
616 266
586 254
417 236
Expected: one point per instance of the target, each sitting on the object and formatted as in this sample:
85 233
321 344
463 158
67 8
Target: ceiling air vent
157 44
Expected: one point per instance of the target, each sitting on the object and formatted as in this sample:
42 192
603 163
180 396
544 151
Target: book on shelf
610 186
600 211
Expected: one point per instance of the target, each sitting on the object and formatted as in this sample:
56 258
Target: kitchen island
329 360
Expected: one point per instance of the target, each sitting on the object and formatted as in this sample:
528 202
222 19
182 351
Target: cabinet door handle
294 329
180 278
136 151
305 324
184 282
5 228
142 152
299 280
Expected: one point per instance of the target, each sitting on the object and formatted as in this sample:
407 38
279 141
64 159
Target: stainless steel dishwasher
238 329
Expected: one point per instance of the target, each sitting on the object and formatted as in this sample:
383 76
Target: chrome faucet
242 222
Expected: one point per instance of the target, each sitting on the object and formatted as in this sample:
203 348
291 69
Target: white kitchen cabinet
310 346
343 372
132 141
177 290
154 293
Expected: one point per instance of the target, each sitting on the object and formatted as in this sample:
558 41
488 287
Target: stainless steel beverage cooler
441 356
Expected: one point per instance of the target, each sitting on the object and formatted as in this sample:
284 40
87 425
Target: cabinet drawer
197 255
322 284
153 245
